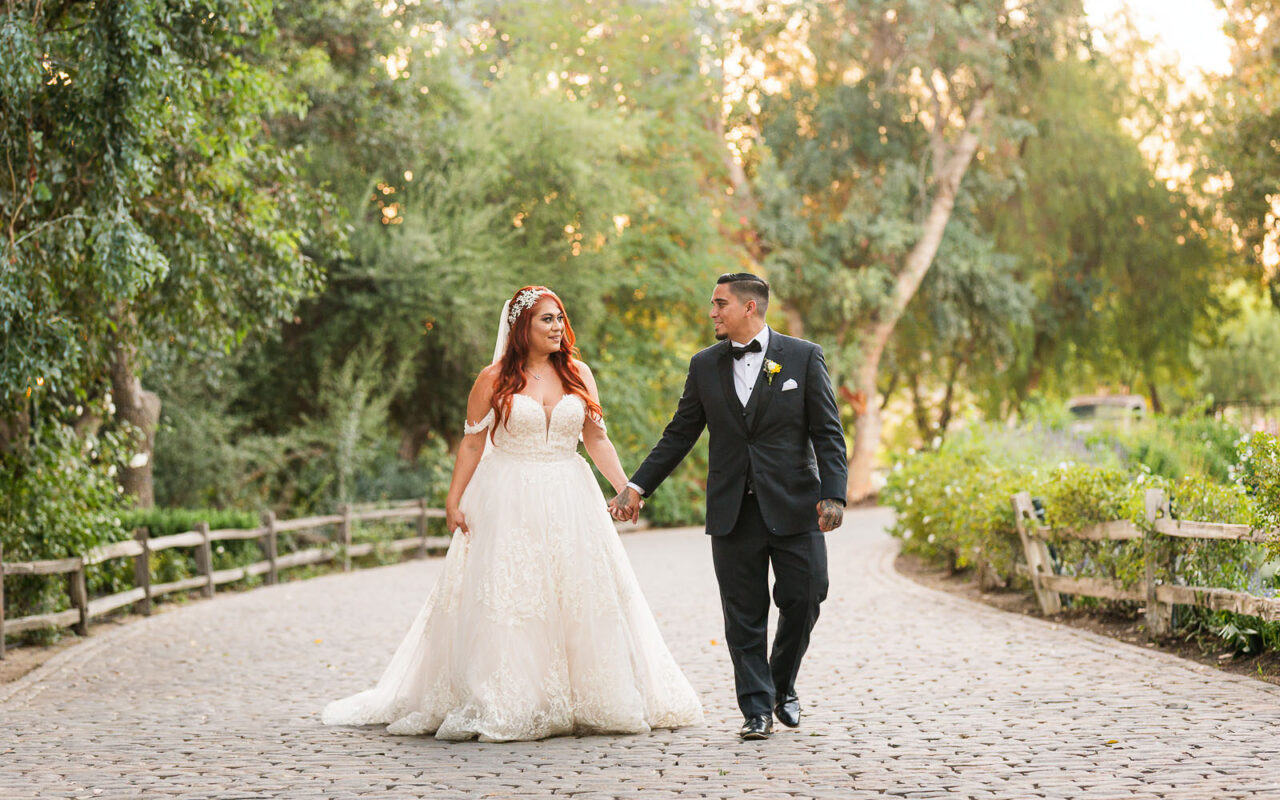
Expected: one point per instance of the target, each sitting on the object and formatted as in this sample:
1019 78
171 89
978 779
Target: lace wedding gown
537 626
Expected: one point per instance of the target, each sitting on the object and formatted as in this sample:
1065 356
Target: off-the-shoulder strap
598 420
482 425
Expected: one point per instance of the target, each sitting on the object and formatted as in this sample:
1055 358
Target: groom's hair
748 287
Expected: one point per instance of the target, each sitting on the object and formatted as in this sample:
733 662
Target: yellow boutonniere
771 368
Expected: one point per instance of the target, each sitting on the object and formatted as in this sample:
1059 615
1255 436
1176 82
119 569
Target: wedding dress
537 626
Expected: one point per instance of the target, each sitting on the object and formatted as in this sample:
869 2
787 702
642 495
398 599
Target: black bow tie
739 352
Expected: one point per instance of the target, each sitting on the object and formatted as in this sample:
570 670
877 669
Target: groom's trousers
742 560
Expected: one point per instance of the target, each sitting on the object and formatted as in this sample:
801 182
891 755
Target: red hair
511 379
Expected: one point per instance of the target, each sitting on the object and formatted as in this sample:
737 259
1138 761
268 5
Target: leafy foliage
1259 474
1239 143
1242 370
954 505
302 216
141 187
60 500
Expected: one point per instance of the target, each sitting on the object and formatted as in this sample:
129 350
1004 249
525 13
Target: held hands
830 515
625 507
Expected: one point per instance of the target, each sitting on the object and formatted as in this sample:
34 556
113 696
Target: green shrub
1077 496
58 498
1258 472
954 506
1174 447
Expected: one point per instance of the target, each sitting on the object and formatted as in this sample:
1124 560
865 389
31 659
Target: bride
537 626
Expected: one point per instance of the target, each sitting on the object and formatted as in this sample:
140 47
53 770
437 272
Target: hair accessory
524 300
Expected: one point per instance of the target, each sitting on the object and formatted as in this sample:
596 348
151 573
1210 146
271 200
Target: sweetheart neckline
549 416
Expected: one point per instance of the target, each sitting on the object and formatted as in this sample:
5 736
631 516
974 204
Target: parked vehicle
1090 411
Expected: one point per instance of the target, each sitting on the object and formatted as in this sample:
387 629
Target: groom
775 484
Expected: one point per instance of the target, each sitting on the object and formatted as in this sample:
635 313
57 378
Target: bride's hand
455 520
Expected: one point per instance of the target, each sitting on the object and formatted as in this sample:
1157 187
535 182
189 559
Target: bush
1258 472
58 498
954 506
1174 447
116 575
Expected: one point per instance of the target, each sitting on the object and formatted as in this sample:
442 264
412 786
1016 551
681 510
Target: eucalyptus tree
872 114
960 334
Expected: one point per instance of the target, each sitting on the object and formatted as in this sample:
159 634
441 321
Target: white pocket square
789 385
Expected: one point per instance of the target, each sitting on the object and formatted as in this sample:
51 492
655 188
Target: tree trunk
412 440
866 432
1156 406
948 400
920 410
15 429
866 429
141 409
795 321
887 394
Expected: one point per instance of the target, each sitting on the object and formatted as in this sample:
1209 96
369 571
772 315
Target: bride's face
546 328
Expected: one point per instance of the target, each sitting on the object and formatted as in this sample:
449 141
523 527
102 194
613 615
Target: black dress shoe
788 710
758 726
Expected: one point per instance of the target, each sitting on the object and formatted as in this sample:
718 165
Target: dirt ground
1129 629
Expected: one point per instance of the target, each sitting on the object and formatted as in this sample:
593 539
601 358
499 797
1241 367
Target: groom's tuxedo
787 441
770 462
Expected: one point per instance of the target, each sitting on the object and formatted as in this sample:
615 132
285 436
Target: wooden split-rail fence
140 548
1157 591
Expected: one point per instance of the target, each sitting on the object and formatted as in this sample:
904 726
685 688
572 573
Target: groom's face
729 313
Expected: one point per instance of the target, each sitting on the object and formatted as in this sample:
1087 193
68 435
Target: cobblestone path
907 693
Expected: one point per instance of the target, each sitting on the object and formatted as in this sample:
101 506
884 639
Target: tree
472 153
1125 270
1243 370
1237 140
140 210
873 114
960 333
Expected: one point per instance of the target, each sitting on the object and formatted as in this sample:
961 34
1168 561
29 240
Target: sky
1191 30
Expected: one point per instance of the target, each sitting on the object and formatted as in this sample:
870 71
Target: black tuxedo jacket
788 440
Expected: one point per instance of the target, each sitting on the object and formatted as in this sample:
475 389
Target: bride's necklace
533 374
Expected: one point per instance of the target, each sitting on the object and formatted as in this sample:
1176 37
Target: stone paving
908 693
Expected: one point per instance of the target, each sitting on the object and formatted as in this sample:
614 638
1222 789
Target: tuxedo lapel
763 392
724 365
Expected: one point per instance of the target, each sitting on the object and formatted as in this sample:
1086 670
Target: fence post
1159 615
142 568
204 558
422 527
79 591
1036 552
1 601
344 532
269 541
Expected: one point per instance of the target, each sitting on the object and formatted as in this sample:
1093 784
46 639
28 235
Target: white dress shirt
746 371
